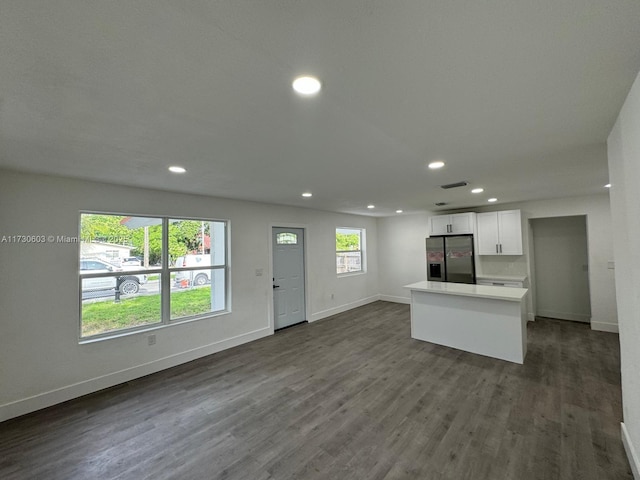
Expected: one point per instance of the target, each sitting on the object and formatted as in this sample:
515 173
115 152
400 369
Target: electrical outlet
151 339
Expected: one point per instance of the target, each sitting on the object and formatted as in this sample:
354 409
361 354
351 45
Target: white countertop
469 290
505 278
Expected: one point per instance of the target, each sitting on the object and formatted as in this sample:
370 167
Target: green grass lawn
107 316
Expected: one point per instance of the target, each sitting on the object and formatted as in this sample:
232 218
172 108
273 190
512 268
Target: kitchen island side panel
486 326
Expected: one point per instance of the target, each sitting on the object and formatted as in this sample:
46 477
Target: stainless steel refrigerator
450 258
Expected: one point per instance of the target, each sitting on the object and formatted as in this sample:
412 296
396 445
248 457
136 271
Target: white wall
402 252
41 361
624 174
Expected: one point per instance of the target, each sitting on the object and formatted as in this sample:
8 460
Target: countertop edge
468 290
506 278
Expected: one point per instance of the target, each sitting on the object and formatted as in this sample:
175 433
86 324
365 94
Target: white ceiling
516 96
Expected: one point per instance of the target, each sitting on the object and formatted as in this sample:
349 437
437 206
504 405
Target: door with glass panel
288 276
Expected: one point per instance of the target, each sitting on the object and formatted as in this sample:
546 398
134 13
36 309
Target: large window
137 272
349 250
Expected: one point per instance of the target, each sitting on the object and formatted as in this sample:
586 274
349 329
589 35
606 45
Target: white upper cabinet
499 233
455 224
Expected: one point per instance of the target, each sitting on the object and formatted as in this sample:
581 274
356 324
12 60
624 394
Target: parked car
197 277
131 261
129 284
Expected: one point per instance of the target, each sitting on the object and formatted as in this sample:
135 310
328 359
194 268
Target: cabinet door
510 232
439 225
463 223
487 233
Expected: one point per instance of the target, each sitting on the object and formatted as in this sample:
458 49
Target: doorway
288 276
561 264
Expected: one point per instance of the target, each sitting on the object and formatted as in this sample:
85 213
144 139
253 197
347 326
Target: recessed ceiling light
371 206
477 190
436 164
307 194
492 200
177 169
306 85
398 211
608 185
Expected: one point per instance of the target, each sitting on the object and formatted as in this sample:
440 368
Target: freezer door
435 259
459 259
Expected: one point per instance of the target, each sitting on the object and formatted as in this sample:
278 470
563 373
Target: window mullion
165 284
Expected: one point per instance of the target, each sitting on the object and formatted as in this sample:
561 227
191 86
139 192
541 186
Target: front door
288 276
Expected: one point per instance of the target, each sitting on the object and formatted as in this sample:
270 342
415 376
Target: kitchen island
482 319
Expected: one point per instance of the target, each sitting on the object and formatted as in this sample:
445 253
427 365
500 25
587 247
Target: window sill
350 274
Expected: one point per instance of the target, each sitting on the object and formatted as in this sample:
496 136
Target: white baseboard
604 327
394 299
342 308
574 317
47 399
632 453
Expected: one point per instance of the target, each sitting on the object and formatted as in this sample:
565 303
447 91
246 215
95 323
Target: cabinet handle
497 248
500 248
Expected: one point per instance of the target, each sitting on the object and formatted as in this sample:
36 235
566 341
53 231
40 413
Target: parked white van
197 277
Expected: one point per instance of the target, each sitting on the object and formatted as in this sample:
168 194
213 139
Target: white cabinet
457 223
499 233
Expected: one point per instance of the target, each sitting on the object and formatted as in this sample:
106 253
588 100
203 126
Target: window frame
211 268
164 270
362 235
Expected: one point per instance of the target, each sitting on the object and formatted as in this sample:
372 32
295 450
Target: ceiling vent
454 185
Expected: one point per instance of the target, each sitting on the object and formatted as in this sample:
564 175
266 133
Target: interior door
288 276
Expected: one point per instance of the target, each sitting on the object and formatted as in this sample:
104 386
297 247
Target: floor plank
349 397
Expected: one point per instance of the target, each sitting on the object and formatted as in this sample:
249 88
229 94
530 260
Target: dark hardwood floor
350 397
